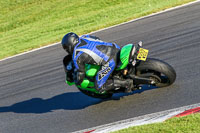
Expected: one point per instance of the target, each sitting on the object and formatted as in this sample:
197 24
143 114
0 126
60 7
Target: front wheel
160 72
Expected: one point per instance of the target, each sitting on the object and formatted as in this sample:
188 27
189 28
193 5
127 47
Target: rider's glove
69 72
69 67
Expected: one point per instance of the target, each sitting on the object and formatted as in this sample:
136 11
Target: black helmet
69 41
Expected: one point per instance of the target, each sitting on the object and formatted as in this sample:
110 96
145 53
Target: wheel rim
159 78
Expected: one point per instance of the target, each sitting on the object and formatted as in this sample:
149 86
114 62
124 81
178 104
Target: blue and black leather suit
91 50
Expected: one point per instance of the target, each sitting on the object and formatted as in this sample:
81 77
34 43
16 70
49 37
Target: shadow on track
66 101
117 96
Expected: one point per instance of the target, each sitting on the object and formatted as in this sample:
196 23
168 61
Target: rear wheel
161 73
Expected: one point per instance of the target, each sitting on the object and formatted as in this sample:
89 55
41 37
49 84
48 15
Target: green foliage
186 124
28 24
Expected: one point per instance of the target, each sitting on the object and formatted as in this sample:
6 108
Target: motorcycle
133 64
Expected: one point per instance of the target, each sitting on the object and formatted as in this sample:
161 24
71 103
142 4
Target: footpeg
138 87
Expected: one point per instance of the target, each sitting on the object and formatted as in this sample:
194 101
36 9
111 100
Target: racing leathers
91 50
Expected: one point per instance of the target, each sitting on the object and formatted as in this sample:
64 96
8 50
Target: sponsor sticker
103 73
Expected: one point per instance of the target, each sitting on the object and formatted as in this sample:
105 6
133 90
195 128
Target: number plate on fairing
142 55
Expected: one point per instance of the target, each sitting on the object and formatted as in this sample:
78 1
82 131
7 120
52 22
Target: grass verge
186 124
29 24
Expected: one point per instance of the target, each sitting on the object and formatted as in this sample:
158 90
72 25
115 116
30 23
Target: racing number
142 54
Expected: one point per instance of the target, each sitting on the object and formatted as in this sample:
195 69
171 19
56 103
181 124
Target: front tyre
161 72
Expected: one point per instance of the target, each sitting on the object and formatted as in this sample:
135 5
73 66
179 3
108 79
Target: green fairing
124 56
90 89
70 83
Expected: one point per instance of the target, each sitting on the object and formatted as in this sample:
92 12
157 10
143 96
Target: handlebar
137 48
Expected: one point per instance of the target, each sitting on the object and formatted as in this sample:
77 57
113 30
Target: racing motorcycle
133 64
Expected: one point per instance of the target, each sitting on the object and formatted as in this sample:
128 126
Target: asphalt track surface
34 97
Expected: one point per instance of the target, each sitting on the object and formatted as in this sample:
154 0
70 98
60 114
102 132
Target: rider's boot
128 84
109 85
117 83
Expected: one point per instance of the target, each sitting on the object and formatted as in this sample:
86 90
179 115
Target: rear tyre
95 95
162 73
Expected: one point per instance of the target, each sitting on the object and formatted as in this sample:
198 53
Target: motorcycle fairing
125 55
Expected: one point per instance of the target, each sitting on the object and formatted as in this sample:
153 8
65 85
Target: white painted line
30 51
141 120
170 9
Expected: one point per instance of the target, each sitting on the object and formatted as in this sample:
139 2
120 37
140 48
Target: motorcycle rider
89 49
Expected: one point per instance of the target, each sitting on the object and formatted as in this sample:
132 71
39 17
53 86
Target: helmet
69 41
